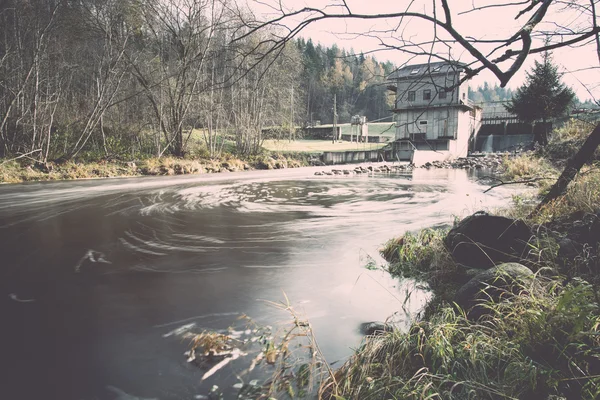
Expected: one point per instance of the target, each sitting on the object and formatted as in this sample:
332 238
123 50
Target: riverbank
17 171
90 167
527 329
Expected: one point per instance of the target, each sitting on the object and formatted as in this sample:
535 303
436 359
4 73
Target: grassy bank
543 343
16 171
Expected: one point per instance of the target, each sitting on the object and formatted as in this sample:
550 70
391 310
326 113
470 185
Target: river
96 275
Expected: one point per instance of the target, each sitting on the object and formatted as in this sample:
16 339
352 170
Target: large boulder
494 284
482 240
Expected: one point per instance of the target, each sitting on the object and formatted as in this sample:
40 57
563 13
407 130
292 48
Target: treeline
490 94
358 83
120 78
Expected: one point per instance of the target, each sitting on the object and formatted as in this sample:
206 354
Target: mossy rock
483 240
494 284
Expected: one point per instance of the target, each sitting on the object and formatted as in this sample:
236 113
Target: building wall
434 83
441 122
466 128
446 125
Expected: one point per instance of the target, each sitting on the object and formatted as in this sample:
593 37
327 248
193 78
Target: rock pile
489 161
492 161
361 169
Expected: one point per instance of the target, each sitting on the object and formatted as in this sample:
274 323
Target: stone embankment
479 161
361 169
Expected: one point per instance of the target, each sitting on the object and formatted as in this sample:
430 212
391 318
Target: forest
121 79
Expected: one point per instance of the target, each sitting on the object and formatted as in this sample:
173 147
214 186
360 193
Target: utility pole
292 115
334 119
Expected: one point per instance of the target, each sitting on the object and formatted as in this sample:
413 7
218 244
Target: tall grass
539 344
566 141
543 343
529 167
423 256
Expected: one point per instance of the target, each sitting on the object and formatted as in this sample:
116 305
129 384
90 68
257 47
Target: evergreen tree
542 97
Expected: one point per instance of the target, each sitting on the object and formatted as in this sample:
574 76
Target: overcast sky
492 23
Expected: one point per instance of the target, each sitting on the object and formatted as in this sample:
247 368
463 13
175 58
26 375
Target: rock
580 226
482 240
568 249
375 328
496 283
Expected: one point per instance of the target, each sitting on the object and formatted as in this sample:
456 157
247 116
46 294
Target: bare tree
169 65
542 29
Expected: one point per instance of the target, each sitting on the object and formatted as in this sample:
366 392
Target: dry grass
529 167
566 141
14 172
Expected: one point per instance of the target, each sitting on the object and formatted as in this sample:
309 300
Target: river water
96 275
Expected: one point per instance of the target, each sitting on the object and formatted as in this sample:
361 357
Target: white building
434 118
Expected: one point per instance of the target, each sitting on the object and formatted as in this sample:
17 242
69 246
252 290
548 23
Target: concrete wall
345 157
420 157
492 143
514 128
370 139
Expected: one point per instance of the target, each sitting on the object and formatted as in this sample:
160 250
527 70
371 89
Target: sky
488 23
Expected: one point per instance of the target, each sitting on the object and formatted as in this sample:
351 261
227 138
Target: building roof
420 70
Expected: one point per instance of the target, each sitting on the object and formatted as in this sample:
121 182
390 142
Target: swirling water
98 276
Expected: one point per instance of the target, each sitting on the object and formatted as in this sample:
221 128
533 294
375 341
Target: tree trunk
585 153
543 134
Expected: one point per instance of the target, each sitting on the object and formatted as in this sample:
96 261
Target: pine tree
542 97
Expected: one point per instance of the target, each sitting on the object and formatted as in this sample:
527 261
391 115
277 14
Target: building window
414 71
442 94
423 123
437 69
411 96
427 94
